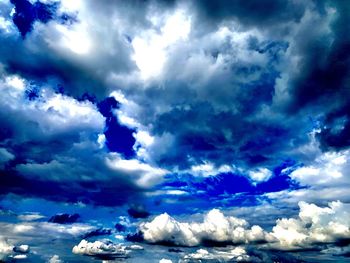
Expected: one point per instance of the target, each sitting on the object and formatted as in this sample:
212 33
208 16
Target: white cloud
99 248
20 256
50 114
104 248
315 225
5 249
6 26
209 169
325 178
215 227
55 259
164 260
260 175
30 216
328 169
235 254
144 174
150 47
74 38
22 248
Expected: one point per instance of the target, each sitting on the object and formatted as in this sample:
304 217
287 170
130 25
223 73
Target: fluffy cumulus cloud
216 228
314 228
100 249
315 225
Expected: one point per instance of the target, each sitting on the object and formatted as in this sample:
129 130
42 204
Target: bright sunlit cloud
151 47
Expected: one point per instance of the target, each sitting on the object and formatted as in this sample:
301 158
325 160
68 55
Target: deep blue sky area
174 131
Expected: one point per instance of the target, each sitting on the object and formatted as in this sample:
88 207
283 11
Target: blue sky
174 131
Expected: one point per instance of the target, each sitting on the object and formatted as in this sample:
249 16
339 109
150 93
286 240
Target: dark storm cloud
243 137
64 218
236 114
138 212
252 13
98 232
323 78
217 122
98 193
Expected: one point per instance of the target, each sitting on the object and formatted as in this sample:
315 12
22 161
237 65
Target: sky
174 131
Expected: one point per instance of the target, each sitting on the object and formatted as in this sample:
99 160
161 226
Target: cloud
204 85
104 249
55 259
5 249
44 229
251 13
260 175
323 177
30 216
54 137
338 251
237 254
64 218
8 251
99 249
98 232
21 249
138 212
5 156
327 169
315 225
185 106
215 229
